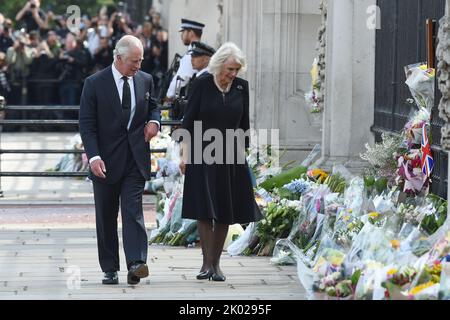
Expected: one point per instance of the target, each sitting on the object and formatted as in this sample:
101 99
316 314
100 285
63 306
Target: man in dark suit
118 117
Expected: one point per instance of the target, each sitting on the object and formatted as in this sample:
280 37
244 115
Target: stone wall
279 38
204 11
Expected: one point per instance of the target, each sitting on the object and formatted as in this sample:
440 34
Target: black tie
188 88
126 101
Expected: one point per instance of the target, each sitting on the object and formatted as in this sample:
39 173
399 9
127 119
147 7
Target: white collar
117 75
202 71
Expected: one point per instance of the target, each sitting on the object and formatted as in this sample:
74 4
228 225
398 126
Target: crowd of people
44 62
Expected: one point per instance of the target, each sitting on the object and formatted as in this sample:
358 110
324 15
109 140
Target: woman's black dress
222 192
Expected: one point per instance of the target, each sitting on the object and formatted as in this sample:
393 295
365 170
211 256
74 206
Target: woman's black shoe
204 275
216 277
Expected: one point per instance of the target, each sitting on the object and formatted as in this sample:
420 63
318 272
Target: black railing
4 122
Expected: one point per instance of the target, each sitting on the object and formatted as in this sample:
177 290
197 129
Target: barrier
4 122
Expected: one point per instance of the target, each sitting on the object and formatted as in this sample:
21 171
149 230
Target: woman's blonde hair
227 50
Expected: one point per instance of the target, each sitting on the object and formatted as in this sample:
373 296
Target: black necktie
188 87
126 101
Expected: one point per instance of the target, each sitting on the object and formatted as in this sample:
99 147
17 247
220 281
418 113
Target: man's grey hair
124 45
227 50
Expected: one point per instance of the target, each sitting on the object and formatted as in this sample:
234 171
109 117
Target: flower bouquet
307 227
397 282
413 128
433 220
381 155
347 227
410 173
426 287
420 80
330 276
277 223
312 97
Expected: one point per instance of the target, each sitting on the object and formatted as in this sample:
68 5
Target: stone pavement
61 264
48 244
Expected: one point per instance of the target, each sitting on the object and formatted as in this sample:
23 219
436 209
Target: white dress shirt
202 72
185 71
119 85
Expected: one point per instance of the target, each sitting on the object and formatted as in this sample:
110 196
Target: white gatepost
350 83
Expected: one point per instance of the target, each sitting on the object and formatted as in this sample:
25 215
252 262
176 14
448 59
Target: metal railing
4 122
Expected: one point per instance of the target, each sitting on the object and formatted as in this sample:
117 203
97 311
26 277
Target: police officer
190 31
201 53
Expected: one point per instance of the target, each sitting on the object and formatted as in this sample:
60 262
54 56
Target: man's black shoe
110 277
137 272
133 280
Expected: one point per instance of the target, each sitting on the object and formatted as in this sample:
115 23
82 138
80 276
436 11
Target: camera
119 17
121 6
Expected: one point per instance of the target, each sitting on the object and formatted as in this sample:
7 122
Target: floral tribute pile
380 236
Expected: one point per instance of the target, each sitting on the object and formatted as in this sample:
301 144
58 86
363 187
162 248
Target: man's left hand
150 131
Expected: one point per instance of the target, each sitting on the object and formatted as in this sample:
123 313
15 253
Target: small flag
427 158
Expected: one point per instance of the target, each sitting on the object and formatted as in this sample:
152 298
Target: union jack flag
427 158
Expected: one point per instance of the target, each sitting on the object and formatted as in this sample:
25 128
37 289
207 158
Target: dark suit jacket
102 129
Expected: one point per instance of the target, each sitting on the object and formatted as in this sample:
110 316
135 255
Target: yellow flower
392 271
318 174
374 215
346 218
337 260
319 264
395 244
421 287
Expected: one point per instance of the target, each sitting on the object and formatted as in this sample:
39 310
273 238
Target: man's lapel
139 93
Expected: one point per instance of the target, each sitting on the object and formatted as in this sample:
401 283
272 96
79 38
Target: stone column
350 83
279 38
443 76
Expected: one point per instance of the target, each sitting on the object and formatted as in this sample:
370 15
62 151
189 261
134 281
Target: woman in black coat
218 190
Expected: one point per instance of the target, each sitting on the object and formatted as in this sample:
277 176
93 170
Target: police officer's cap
201 49
190 24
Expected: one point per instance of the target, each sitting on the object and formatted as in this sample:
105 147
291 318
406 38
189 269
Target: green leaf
381 184
355 277
283 178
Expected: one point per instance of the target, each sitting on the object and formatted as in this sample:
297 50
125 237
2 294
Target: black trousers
128 194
